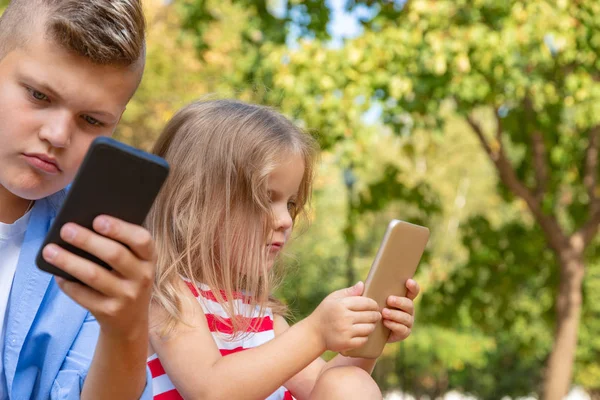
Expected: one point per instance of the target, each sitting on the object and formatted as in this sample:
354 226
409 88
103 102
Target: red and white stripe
260 331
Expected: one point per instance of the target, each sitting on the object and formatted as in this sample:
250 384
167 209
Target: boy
67 70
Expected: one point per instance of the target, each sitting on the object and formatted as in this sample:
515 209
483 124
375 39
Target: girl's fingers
362 330
358 303
399 331
367 317
398 316
357 341
412 288
401 303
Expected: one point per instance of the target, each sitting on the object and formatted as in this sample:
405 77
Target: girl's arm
302 384
194 364
398 318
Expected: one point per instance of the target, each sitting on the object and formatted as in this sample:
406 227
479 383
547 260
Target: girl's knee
346 383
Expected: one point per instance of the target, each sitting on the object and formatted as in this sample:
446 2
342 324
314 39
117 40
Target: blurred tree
522 76
534 65
172 78
529 67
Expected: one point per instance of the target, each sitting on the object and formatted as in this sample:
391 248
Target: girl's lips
275 247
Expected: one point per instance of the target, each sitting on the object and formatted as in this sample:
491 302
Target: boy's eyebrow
43 87
102 114
46 89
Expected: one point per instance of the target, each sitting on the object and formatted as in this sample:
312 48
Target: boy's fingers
83 295
111 252
91 274
401 303
413 289
135 237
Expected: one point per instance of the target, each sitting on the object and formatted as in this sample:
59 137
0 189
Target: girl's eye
291 206
92 121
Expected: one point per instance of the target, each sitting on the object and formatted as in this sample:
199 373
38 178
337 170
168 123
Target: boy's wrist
131 337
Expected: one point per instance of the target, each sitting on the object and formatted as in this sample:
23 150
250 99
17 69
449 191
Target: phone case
395 263
114 179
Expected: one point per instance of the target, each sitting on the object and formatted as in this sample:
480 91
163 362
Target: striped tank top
261 329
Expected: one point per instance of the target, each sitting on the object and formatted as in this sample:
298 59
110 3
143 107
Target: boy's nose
57 131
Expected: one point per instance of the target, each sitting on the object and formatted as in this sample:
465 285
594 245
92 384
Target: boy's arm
118 299
70 379
111 370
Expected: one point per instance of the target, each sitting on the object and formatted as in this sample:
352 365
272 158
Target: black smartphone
114 179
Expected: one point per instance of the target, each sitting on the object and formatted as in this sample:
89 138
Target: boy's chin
33 190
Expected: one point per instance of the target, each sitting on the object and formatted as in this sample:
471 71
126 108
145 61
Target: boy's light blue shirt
50 339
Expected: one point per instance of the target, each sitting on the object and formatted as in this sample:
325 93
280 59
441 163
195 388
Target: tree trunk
559 370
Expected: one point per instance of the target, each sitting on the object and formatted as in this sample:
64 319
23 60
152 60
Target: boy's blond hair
212 219
106 32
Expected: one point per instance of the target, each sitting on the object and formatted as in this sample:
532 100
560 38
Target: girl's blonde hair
212 217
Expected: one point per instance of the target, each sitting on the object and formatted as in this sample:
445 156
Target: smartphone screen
114 179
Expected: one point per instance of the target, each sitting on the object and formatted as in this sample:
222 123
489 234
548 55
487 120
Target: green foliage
587 368
485 319
527 67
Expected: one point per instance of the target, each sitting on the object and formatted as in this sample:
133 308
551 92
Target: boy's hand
344 319
399 317
119 299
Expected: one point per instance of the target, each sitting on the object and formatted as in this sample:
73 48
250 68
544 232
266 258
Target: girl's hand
344 319
399 317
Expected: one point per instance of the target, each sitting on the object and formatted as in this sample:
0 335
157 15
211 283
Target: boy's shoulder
55 200
43 323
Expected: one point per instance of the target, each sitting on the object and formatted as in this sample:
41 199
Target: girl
240 175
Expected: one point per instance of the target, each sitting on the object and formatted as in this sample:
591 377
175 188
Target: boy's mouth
42 162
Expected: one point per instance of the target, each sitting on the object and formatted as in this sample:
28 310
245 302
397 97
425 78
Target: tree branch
539 165
590 228
590 179
538 149
479 132
509 178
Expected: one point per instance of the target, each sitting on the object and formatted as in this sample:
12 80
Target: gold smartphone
395 263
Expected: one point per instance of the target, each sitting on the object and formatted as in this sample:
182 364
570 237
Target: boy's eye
38 95
91 121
